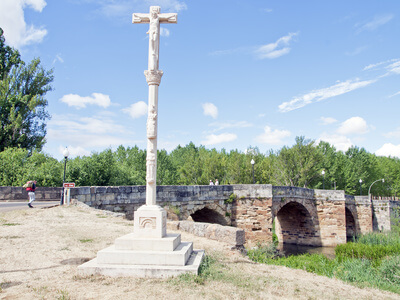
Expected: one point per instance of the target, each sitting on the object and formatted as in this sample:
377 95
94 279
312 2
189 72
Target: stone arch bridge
297 215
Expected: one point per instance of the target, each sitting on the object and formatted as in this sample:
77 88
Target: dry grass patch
39 260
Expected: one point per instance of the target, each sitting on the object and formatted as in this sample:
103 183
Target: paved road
9 206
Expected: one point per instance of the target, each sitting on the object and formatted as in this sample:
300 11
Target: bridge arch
209 213
352 224
297 223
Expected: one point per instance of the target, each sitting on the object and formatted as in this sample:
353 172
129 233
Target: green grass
86 240
11 224
372 260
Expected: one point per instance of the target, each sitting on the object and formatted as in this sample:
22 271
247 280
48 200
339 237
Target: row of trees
300 165
23 118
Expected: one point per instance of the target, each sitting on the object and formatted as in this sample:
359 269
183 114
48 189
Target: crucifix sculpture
153 77
148 251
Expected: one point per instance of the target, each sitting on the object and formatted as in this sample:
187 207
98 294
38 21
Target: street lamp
252 164
369 190
66 154
360 181
323 180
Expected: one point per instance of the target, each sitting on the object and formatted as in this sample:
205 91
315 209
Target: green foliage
263 253
231 199
299 165
363 251
22 104
372 261
12 167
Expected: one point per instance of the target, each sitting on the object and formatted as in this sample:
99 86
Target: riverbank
40 250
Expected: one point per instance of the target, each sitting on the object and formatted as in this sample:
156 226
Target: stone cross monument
150 220
153 77
149 251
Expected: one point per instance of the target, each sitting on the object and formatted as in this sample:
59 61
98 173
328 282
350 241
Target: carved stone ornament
147 222
153 77
151 172
152 123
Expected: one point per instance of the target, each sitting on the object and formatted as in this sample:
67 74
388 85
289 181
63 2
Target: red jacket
31 189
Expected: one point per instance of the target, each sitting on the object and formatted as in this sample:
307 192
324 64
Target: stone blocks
148 251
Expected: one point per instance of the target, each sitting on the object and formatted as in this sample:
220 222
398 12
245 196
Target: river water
289 249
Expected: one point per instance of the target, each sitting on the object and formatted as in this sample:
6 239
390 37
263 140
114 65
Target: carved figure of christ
154 18
153 77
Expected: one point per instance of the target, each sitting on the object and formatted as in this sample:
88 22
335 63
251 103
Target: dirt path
40 250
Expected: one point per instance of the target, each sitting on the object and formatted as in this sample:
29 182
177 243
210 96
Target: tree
299 165
359 164
23 112
12 167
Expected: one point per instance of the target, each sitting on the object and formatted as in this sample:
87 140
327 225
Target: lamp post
360 181
323 180
252 164
369 190
66 154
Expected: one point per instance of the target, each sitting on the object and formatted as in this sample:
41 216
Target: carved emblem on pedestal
148 223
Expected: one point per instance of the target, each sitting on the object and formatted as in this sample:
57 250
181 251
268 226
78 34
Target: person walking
30 188
211 182
216 182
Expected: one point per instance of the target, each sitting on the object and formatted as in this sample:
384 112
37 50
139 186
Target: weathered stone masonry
300 216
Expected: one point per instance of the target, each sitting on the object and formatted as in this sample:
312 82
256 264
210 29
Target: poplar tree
23 111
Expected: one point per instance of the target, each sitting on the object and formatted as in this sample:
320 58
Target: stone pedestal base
148 252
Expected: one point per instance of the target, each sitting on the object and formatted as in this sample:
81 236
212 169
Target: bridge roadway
18 205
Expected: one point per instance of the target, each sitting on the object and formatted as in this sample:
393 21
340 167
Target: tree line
23 117
300 165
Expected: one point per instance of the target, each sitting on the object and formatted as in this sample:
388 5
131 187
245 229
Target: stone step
178 257
94 267
132 242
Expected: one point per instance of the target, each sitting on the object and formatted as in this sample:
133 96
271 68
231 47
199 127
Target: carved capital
153 77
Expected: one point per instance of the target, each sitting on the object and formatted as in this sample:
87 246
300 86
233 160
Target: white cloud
168 5
228 125
119 9
277 49
328 120
164 32
341 142
395 94
87 132
12 20
210 109
393 134
74 151
325 93
214 139
375 23
272 137
394 67
354 125
58 58
389 150
81 102
136 110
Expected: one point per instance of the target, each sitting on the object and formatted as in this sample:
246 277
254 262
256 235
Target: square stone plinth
150 221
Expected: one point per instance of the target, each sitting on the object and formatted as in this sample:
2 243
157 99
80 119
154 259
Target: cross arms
164 18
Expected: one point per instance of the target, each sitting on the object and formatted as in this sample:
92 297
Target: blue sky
236 73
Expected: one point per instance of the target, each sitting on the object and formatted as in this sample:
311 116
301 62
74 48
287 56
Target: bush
263 253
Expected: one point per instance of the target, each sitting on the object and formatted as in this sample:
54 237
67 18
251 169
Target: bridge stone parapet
181 201
16 193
